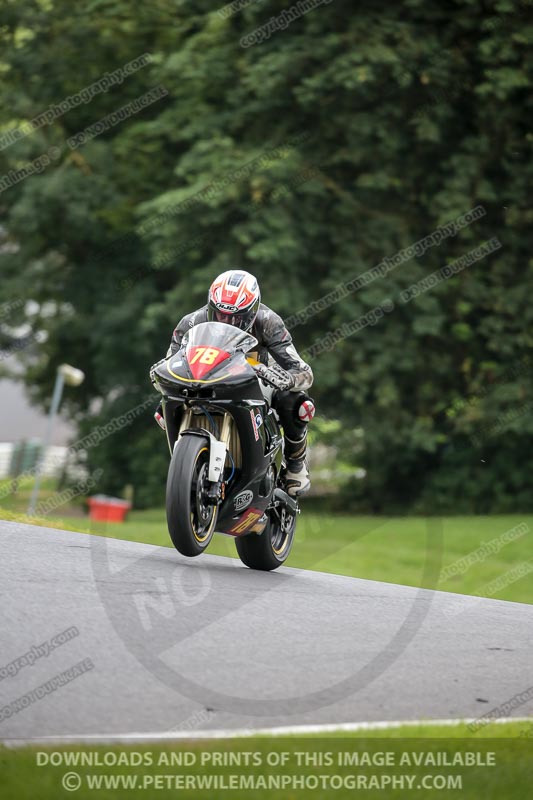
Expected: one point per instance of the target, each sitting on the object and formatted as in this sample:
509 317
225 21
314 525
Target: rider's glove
275 376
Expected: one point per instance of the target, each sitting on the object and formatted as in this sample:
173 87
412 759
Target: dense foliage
307 158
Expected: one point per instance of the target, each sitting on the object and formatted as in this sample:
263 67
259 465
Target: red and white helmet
234 298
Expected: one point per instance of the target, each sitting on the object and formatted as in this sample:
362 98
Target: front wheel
191 521
268 550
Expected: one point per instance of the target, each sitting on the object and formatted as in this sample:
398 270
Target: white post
73 377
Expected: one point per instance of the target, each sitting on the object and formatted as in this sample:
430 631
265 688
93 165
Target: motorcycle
226 447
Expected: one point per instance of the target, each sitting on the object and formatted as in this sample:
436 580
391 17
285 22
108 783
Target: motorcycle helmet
234 298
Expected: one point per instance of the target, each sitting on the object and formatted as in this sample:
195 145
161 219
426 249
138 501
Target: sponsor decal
260 525
254 425
243 500
248 519
258 419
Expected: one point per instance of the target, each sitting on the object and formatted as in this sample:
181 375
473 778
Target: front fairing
211 353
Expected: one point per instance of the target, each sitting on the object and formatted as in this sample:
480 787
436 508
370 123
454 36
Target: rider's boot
296 474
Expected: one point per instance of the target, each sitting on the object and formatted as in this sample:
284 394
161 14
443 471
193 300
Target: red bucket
108 509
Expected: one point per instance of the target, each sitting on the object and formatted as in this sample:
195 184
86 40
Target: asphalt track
182 644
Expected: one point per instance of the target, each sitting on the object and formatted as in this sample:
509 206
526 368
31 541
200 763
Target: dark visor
237 320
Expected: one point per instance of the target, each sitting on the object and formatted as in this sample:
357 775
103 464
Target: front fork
218 449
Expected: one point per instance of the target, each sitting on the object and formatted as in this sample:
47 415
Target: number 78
205 355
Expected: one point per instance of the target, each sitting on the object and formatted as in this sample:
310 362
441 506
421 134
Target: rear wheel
268 550
191 521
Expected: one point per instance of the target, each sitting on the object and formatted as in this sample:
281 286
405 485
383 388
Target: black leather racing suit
274 340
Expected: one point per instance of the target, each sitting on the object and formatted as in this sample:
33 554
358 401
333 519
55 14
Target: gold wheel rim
282 548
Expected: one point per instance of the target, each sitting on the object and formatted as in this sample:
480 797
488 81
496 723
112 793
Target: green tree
307 158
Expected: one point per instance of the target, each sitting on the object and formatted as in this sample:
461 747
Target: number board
203 359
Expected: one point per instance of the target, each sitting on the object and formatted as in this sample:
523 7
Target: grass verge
420 761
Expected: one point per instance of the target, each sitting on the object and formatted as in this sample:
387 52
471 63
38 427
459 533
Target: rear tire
270 549
191 523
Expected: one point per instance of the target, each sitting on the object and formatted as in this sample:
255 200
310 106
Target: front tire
270 549
191 523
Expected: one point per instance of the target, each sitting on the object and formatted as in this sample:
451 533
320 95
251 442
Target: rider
234 298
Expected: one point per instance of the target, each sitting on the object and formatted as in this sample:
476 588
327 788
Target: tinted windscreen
221 335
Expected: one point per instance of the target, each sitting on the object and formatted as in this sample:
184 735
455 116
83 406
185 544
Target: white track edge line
238 733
